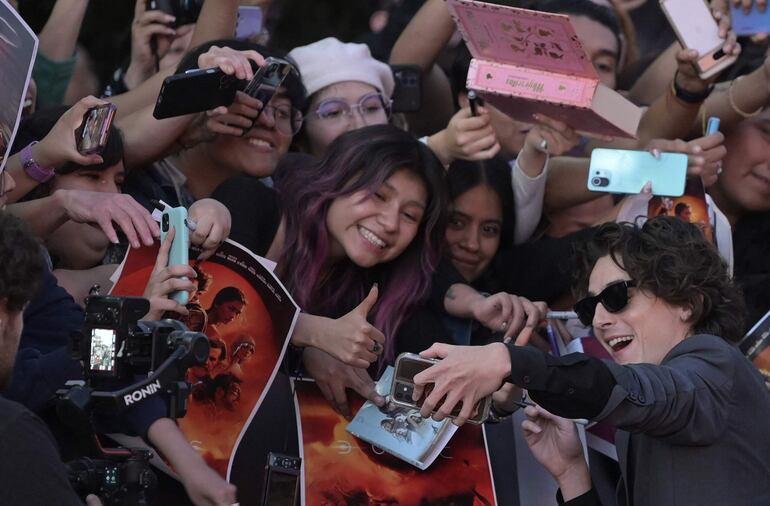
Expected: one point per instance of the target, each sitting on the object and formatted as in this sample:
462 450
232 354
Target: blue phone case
713 125
752 23
625 171
177 217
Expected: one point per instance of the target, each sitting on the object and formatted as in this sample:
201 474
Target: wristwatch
33 170
689 96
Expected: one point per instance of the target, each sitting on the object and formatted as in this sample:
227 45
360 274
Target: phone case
407 95
249 23
625 171
95 130
195 91
410 364
177 217
696 28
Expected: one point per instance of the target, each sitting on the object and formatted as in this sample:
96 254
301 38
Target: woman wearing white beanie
347 89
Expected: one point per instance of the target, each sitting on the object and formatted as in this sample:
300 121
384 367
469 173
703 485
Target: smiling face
375 228
320 132
473 233
645 330
744 185
258 151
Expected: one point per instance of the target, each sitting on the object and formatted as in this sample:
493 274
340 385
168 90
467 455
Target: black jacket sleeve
572 386
590 498
31 471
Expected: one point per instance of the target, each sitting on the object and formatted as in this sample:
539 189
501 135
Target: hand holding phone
696 28
408 365
626 171
94 132
176 218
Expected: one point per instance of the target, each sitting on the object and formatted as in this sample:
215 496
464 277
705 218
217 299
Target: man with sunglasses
691 410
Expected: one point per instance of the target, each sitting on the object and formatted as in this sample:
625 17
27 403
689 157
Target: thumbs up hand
350 338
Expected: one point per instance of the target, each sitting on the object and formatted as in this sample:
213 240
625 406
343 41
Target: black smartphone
408 365
196 90
281 486
94 132
185 11
407 95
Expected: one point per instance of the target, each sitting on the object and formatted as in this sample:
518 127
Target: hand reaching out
505 312
547 137
704 154
212 225
466 137
334 377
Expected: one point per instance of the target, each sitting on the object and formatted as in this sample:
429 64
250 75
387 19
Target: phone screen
695 25
96 126
282 489
103 351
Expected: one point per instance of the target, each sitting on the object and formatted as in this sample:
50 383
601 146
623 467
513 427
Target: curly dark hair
21 262
672 260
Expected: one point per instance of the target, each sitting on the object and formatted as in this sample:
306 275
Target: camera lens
597 181
164 223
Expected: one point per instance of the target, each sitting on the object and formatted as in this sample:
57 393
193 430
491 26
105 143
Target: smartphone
268 78
407 94
281 487
625 171
94 132
752 23
249 23
696 28
194 91
176 217
185 11
407 366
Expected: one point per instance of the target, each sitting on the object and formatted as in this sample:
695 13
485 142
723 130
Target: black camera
115 346
600 181
185 11
125 479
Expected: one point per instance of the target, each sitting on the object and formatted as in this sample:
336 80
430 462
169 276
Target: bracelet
734 106
31 167
688 96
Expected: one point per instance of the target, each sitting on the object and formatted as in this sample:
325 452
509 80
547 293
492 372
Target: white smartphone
697 29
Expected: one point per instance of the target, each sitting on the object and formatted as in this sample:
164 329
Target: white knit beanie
330 61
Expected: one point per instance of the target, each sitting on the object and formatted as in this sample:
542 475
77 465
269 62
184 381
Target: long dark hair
672 260
362 159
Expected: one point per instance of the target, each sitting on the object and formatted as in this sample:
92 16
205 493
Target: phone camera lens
600 181
164 223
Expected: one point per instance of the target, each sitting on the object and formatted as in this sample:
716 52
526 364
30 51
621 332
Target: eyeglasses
614 298
373 108
287 119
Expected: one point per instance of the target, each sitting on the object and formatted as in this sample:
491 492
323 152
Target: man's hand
334 377
465 374
104 209
555 444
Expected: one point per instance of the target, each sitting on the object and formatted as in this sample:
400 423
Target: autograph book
527 62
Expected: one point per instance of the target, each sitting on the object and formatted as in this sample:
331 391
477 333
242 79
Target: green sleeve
52 78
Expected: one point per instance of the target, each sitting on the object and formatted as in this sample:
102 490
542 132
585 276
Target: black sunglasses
614 298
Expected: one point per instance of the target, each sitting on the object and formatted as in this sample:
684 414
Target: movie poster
690 207
248 317
18 46
339 469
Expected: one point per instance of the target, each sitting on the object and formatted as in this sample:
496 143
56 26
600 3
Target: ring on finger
719 168
376 348
503 325
544 145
